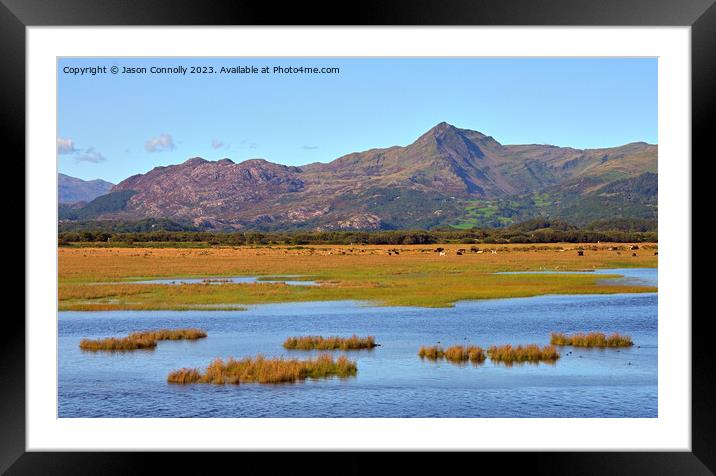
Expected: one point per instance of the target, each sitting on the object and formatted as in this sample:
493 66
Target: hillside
73 190
448 176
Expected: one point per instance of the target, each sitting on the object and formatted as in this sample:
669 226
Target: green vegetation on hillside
582 203
109 203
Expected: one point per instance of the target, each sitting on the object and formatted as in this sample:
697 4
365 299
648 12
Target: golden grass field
99 278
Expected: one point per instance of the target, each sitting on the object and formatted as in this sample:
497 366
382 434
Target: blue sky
111 126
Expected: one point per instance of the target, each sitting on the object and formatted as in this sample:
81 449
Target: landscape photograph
357 237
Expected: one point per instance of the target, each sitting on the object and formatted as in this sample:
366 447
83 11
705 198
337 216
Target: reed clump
140 340
169 334
528 353
476 354
184 375
455 353
591 339
117 344
329 343
260 369
458 353
434 352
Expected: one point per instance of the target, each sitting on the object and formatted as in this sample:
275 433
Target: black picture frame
16 15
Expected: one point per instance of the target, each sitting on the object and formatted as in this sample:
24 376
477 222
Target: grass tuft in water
329 343
140 340
529 353
260 369
117 344
458 353
184 375
169 334
592 339
455 353
431 353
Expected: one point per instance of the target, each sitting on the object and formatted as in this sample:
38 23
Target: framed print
421 228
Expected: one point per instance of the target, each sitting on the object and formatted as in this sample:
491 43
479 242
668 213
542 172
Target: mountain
73 190
448 176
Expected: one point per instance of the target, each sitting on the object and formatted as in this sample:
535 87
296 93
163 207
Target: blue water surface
391 381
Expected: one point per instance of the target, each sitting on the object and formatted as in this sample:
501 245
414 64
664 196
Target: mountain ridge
435 176
74 190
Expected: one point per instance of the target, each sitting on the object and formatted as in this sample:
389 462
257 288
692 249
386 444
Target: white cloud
65 146
90 155
160 143
250 145
216 143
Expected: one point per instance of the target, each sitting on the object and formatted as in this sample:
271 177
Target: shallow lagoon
392 381
231 280
635 276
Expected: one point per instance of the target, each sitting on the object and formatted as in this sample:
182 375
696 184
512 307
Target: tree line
532 231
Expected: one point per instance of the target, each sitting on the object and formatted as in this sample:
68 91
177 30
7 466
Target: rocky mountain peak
194 161
445 174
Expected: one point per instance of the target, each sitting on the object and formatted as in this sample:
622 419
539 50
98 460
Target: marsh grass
458 353
117 344
329 343
169 334
532 353
591 339
368 274
431 353
184 375
140 340
263 370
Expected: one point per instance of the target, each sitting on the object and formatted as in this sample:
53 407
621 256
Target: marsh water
631 276
391 381
232 280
